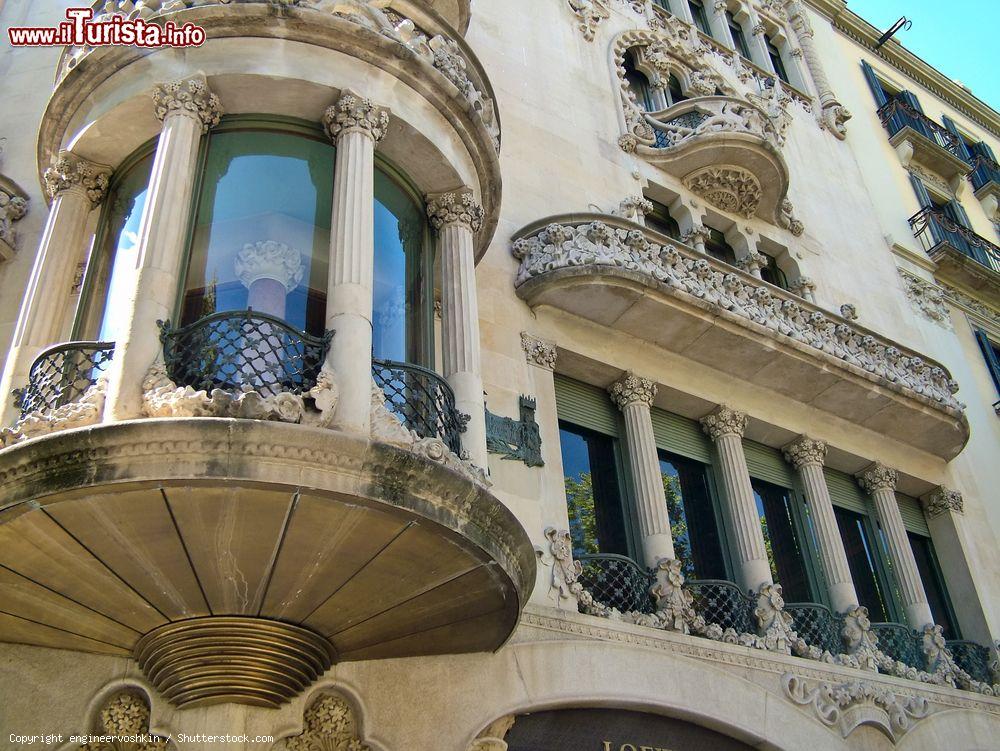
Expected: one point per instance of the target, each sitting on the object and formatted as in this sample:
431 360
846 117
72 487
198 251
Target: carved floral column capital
456 207
354 113
269 259
632 389
941 500
190 97
126 714
752 263
724 421
804 451
71 172
329 724
877 477
538 352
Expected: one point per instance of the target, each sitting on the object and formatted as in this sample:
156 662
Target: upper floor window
694 525
991 354
772 273
867 570
661 221
638 84
739 38
699 16
775 55
717 247
934 586
783 540
674 93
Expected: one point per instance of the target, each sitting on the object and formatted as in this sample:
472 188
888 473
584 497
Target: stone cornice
632 389
862 32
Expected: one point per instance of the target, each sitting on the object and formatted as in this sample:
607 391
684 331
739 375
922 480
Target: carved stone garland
599 245
124 719
330 725
589 15
86 410
730 188
927 298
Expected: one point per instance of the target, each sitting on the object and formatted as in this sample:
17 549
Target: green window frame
934 583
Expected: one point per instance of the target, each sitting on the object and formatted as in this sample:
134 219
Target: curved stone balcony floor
110 532
616 273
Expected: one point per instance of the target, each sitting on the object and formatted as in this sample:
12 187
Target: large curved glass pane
261 234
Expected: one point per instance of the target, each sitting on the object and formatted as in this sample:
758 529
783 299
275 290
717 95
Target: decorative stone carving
724 421
674 604
589 13
269 259
927 298
538 352
368 14
941 501
330 725
860 640
71 172
706 115
758 29
457 207
877 477
357 114
773 623
787 219
125 726
805 450
988 314
752 263
634 208
730 188
849 312
492 738
13 207
804 287
846 706
189 96
86 410
631 389
559 558
683 271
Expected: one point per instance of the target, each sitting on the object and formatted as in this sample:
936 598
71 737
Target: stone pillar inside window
690 217
716 11
726 426
807 456
76 187
755 36
187 109
356 125
634 397
879 482
681 9
456 217
744 242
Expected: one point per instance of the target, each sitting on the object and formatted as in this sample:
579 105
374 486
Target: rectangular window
739 38
698 14
862 558
693 523
776 62
717 247
782 540
933 581
772 273
593 493
661 221
991 354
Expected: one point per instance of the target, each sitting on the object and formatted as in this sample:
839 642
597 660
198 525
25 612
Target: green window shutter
913 515
767 464
586 406
682 436
845 491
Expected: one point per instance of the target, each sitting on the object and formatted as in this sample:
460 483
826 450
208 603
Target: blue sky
958 37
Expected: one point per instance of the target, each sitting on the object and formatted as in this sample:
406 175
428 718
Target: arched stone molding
154 724
954 728
305 731
437 137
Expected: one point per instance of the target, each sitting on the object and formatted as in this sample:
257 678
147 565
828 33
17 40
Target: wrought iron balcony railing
973 658
243 351
62 374
617 581
723 603
984 171
422 400
901 643
818 625
897 114
933 228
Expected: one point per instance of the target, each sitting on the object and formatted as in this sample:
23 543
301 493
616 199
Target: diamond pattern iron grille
818 625
723 603
422 400
973 658
617 581
900 643
243 351
61 374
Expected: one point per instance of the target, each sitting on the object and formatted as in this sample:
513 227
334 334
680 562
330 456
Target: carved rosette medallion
724 421
457 207
805 451
941 501
538 352
269 259
354 113
71 172
878 477
330 725
632 389
729 188
125 725
190 97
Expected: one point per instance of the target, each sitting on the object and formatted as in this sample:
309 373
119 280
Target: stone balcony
962 256
629 279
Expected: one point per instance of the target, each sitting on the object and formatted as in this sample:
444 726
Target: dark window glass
698 13
861 553
693 523
665 4
639 86
775 54
772 274
593 498
674 90
717 247
930 576
738 37
784 549
661 221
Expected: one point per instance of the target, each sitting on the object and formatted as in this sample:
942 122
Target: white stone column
634 397
188 109
76 187
681 9
726 427
755 40
356 125
269 270
807 456
716 12
879 482
832 114
456 217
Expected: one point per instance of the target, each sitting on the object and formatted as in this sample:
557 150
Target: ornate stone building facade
450 375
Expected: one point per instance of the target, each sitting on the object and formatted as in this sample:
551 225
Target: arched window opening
674 92
638 84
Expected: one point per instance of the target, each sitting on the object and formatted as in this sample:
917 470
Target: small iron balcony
937 234
984 172
62 374
897 114
422 400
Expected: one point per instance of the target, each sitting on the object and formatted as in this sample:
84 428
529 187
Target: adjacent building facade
546 374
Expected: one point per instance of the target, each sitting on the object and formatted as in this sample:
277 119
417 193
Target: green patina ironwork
516 439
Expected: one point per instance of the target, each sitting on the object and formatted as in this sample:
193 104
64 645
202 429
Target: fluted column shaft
356 125
634 397
880 483
807 456
76 187
457 217
755 39
726 427
188 109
